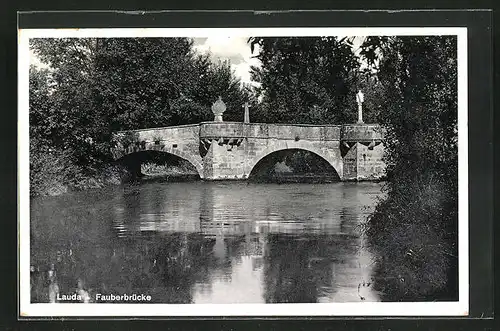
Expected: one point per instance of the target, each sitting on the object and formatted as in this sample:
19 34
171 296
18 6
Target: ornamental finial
218 108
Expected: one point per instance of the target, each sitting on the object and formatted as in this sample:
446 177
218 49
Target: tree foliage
99 86
93 87
415 227
305 79
420 109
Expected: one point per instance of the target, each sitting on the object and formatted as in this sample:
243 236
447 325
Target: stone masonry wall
230 150
351 164
182 141
370 165
235 148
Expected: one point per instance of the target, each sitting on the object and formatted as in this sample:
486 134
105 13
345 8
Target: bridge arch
334 163
196 161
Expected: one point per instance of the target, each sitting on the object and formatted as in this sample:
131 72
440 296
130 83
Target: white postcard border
459 308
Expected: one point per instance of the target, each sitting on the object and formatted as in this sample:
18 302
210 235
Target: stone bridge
230 150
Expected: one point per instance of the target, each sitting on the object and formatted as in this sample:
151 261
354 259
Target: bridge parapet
180 131
362 133
211 130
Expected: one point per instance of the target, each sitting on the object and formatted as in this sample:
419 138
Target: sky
234 49
237 51
34 60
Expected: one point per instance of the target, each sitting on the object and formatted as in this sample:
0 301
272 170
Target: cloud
233 49
236 59
236 50
223 46
199 41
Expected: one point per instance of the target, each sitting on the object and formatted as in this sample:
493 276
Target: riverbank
294 178
164 172
53 179
413 233
53 183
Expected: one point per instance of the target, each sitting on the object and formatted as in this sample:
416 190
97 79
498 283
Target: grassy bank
413 233
182 172
59 177
165 170
53 173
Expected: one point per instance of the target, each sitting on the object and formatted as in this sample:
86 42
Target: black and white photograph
243 171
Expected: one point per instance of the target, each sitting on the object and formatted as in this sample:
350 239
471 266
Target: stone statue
218 108
360 98
247 114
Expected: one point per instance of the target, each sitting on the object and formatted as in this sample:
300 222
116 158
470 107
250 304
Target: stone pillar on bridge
246 118
360 98
218 108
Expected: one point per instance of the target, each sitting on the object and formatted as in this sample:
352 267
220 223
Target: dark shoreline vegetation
94 87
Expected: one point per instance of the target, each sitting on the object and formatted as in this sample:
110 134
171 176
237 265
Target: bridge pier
225 159
363 162
362 152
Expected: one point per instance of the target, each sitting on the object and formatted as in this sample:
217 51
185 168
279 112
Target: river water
206 242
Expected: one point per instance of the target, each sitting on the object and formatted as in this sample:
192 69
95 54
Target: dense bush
155 169
52 172
414 229
49 169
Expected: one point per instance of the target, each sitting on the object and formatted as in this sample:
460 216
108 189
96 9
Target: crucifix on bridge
247 113
360 98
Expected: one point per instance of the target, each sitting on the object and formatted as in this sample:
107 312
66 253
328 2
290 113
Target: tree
46 163
415 227
104 85
94 87
419 76
221 81
40 104
305 79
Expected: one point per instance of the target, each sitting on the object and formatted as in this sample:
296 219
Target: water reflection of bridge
213 233
284 243
233 210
